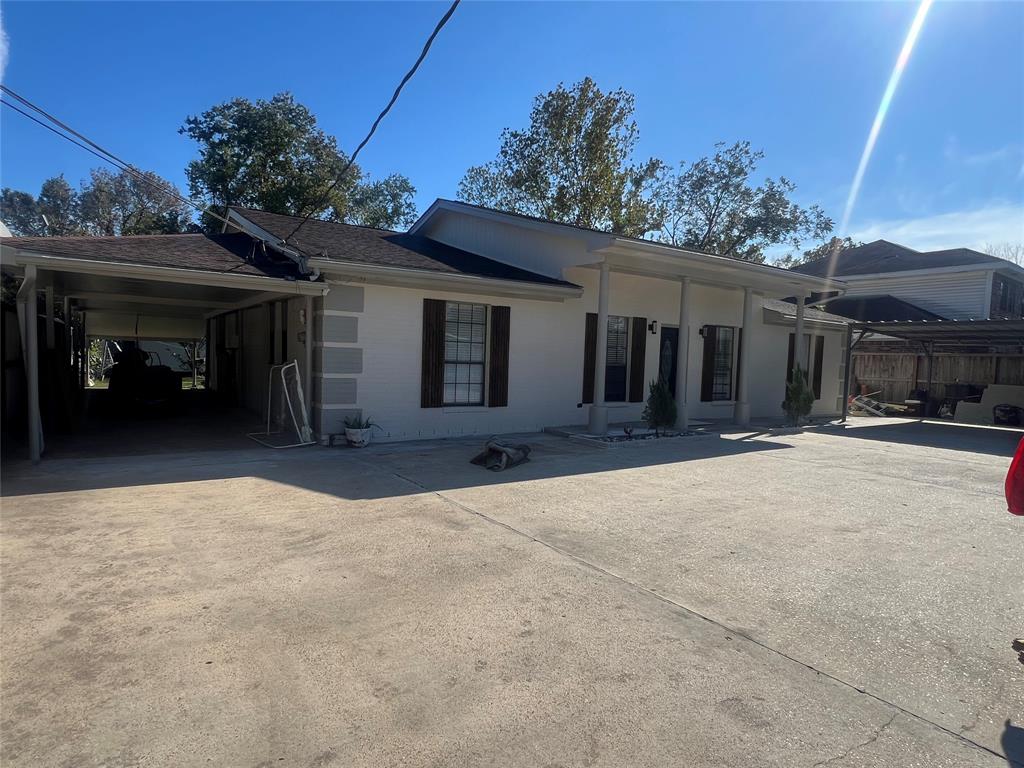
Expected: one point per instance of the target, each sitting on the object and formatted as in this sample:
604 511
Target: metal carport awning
928 333
963 332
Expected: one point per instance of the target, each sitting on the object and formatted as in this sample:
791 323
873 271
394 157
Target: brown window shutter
739 365
432 380
497 382
707 373
819 354
791 357
637 358
589 357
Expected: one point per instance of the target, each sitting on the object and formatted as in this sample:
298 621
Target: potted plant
358 431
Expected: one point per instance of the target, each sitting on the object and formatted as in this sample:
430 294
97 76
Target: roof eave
408 277
58 263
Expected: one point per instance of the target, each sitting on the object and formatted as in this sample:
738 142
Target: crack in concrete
871 740
649 592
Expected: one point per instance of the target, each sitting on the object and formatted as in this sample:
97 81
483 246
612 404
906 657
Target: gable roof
236 253
349 243
788 309
881 256
878 308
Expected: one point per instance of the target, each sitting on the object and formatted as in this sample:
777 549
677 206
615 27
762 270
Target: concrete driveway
841 597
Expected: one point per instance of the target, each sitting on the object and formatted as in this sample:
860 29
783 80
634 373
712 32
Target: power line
394 97
100 152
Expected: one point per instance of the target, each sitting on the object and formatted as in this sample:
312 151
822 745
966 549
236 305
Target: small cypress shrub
660 410
799 397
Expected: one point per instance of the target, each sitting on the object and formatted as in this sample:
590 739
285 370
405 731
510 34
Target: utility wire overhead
394 97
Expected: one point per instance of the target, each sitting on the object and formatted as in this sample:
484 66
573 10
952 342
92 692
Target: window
615 360
1007 298
465 353
812 372
721 377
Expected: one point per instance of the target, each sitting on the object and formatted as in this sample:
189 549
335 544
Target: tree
574 164
712 205
1012 252
106 204
827 249
58 206
272 155
124 204
20 212
384 204
799 396
660 409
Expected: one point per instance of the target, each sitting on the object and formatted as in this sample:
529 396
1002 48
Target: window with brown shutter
589 357
432 378
717 366
819 354
637 358
497 385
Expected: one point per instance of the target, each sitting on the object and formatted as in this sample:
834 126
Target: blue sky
802 81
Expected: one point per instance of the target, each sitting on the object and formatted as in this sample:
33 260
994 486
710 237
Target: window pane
721 382
465 353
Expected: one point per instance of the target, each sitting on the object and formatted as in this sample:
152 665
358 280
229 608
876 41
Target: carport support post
598 421
308 367
28 299
799 356
683 356
742 410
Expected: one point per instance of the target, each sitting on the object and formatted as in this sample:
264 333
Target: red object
1015 482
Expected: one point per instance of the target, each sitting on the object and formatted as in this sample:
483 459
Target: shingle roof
385 248
878 308
235 253
788 308
883 256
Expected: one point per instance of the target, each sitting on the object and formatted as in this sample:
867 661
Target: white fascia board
729 271
419 278
163 274
928 271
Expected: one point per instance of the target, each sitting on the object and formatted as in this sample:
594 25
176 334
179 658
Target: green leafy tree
799 397
660 409
58 206
124 204
20 212
573 164
713 205
384 204
271 155
827 249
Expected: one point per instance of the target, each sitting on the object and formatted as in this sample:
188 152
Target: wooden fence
896 374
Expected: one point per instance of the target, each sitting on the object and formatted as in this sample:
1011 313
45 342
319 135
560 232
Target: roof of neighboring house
788 309
385 248
882 256
878 308
235 253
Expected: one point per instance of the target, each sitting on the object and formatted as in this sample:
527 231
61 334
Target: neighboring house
951 305
886 281
473 322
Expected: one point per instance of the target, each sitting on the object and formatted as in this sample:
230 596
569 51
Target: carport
157 287
1000 339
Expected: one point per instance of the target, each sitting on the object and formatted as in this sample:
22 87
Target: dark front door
667 356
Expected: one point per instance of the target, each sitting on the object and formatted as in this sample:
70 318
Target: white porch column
683 357
598 421
29 315
742 410
799 355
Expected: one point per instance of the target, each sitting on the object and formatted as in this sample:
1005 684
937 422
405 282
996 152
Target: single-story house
475 321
